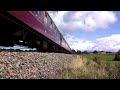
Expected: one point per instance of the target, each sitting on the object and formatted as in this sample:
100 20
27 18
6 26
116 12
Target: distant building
101 52
91 53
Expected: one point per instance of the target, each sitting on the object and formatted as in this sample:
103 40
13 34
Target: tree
95 52
79 52
73 51
117 56
85 52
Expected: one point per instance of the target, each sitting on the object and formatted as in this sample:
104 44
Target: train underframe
16 32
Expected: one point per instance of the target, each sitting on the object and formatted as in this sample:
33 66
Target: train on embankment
34 29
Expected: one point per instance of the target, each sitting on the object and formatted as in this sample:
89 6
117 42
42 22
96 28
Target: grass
102 68
100 57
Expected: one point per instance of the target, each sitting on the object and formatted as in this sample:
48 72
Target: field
100 57
92 66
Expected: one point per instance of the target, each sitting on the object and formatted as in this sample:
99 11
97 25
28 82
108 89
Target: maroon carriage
34 29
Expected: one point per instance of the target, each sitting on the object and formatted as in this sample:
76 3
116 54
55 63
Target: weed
92 69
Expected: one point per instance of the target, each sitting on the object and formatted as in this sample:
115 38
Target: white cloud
78 44
68 21
110 43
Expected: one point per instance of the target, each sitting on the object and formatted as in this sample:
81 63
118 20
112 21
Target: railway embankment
36 65
32 65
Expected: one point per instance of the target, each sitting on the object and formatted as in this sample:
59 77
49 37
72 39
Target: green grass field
92 66
107 59
100 57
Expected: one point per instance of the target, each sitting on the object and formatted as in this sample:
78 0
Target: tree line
87 52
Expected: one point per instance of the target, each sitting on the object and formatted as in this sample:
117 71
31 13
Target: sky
89 30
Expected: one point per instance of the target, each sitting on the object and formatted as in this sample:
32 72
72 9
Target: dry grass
81 68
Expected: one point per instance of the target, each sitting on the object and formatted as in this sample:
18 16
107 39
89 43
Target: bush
73 51
117 56
79 52
95 58
95 52
85 52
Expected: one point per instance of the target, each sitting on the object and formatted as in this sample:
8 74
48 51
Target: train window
59 37
37 14
55 28
45 14
45 19
63 42
51 26
55 31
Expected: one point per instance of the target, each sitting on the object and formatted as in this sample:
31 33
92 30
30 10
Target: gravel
32 65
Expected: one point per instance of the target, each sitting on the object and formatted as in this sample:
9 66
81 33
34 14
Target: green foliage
117 56
73 51
95 58
95 52
79 52
99 57
85 52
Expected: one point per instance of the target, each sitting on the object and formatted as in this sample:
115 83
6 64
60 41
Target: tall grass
81 68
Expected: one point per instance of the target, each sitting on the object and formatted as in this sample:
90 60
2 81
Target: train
34 29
